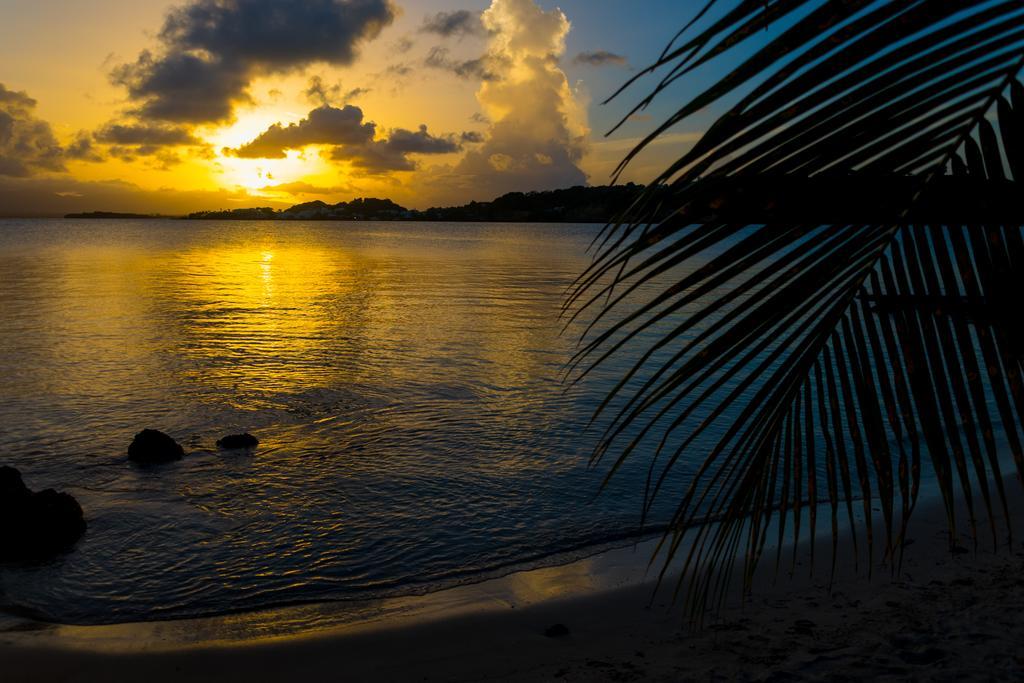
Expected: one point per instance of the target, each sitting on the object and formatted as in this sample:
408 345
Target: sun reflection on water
403 380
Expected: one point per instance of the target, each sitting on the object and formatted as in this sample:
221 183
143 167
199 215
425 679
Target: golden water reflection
403 380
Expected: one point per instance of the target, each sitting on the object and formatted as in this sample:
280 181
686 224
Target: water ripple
403 381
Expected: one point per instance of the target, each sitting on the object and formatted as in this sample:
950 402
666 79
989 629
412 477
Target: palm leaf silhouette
831 343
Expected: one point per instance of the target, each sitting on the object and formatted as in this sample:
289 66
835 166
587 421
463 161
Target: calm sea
405 382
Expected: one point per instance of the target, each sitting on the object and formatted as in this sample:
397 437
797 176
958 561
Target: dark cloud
319 93
373 158
27 144
403 44
155 143
300 187
599 58
392 154
398 70
145 134
212 49
183 88
155 156
82 149
458 23
483 68
14 100
355 92
324 125
420 142
471 137
352 139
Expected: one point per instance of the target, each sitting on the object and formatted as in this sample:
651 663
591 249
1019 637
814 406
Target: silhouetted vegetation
113 215
830 345
572 205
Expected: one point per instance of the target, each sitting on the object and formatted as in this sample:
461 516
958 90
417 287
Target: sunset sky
183 105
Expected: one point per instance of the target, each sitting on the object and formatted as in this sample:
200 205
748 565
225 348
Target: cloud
599 58
299 187
82 149
27 144
458 23
211 50
420 142
318 93
374 158
129 141
399 69
403 45
392 154
148 134
538 129
352 138
471 137
325 125
482 68
155 156
355 92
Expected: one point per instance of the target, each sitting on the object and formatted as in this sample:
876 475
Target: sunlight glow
256 175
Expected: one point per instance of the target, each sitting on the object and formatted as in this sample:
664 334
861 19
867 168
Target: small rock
35 526
557 631
152 446
238 441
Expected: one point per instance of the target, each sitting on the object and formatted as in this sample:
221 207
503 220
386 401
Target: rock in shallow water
152 446
234 441
35 526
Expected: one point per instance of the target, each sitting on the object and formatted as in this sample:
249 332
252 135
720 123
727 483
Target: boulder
152 446
12 488
35 526
238 441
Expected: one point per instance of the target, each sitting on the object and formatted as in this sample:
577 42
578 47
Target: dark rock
35 526
235 441
12 488
152 446
557 631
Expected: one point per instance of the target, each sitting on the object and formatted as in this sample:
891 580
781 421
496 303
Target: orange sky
128 105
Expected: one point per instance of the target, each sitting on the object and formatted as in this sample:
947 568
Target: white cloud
538 130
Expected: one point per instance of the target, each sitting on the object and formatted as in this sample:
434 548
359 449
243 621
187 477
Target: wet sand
944 616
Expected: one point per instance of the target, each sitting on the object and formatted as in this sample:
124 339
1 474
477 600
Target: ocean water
404 379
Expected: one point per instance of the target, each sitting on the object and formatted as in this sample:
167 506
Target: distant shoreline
571 205
771 199
113 215
128 216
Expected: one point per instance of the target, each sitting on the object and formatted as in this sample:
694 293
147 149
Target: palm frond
828 355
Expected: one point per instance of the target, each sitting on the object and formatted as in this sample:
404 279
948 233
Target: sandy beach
945 616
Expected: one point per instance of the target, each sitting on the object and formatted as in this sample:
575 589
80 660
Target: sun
258 176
